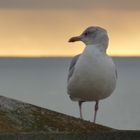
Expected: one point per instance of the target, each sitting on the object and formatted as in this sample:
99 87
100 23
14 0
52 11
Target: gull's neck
96 48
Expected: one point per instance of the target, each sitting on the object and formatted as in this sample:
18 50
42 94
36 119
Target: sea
43 82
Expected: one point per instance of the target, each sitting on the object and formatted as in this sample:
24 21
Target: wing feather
72 66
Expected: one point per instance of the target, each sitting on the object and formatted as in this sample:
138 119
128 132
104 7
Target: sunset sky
35 28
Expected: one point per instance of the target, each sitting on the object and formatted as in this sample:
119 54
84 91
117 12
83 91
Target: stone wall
23 121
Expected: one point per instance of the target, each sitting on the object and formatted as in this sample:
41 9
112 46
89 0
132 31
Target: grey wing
72 65
116 73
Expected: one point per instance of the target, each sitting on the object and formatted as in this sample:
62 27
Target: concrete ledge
23 121
116 135
19 117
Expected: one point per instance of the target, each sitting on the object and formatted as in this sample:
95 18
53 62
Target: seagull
92 74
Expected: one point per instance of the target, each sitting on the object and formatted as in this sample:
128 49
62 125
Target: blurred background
35 54
41 27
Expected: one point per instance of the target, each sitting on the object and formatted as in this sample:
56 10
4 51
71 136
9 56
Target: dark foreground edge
116 135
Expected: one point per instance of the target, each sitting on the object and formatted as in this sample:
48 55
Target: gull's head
92 36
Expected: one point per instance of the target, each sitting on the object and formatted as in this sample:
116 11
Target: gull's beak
74 39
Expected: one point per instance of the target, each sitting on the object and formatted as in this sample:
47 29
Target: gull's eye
86 33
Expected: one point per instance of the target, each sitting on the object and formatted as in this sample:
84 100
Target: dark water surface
42 81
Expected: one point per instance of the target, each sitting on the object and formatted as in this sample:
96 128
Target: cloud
70 4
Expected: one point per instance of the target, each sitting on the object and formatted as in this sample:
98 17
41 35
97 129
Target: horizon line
53 56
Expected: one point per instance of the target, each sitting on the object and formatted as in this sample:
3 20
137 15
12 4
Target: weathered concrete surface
22 121
16 116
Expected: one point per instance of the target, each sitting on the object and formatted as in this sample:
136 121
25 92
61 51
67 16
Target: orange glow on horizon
44 33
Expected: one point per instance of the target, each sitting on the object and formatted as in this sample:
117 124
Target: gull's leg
96 109
80 108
